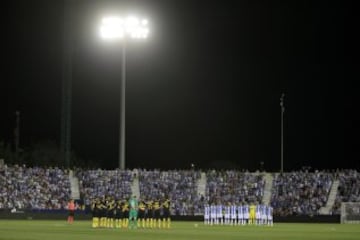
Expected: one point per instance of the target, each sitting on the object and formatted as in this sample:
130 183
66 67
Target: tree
45 153
6 153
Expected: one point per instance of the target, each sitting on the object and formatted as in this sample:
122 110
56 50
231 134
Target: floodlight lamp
118 28
144 22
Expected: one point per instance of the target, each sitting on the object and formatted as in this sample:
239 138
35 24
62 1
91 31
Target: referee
71 208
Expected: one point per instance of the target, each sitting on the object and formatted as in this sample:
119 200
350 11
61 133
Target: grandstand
234 187
180 186
292 193
33 188
99 183
300 193
348 190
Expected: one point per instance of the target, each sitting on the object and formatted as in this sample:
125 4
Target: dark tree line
43 154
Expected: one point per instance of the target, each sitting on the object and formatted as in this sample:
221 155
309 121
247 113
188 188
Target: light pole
17 134
117 28
282 106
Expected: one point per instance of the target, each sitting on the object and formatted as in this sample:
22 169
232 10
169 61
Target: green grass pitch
81 230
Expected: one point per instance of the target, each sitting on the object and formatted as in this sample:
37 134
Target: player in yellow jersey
125 214
141 213
252 214
102 208
149 215
156 207
110 213
95 209
166 213
118 214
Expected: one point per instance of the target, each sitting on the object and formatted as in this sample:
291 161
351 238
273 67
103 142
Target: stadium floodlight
114 28
117 28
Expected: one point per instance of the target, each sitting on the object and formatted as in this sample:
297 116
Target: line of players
111 213
238 214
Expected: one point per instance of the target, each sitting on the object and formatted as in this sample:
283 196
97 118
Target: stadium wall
81 215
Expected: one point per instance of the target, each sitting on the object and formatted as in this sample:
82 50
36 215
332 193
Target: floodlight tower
65 137
117 28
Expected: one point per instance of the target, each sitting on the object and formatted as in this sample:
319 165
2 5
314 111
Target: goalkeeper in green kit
133 203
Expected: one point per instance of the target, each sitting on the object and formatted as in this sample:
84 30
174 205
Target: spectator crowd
35 188
234 187
179 186
349 188
293 193
300 192
99 183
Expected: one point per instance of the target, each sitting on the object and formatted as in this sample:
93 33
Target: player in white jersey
269 215
233 214
227 214
213 218
206 214
240 215
263 214
246 213
219 214
258 214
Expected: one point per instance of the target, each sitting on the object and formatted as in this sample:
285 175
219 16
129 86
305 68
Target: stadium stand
234 187
99 183
292 193
180 186
349 188
33 188
300 192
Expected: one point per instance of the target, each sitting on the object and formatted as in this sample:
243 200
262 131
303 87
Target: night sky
204 88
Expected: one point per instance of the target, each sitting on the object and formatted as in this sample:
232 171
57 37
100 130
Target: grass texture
81 230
